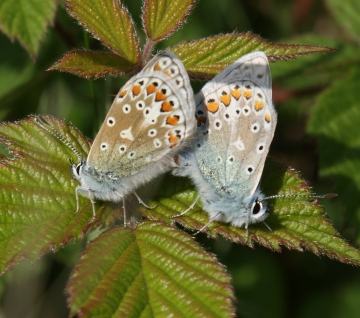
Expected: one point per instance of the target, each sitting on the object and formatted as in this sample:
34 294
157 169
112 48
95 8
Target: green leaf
209 56
335 121
346 13
161 18
315 71
90 64
38 191
153 271
109 22
16 68
27 21
296 222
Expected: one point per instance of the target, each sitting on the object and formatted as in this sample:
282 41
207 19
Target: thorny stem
148 48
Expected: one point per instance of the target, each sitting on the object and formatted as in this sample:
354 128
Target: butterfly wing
236 124
150 118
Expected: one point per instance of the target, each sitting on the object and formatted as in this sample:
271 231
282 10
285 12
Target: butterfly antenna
298 195
51 130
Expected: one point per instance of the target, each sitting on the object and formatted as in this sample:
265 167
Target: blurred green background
318 133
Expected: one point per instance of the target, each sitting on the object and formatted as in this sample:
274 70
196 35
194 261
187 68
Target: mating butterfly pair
220 138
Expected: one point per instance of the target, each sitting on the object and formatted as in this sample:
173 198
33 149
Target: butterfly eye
257 207
78 168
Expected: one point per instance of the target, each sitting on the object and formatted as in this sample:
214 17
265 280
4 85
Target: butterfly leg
143 203
207 224
247 227
77 200
93 207
92 204
269 228
188 209
124 212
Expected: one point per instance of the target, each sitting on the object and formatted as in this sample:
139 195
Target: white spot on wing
110 121
260 148
157 143
246 110
249 170
239 144
103 146
126 108
255 128
126 134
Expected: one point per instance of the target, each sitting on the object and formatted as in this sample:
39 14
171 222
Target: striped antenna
299 195
51 130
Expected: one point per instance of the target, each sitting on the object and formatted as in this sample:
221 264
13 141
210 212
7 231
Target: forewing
236 122
152 116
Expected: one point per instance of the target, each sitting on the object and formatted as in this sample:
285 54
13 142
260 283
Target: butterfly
150 120
236 121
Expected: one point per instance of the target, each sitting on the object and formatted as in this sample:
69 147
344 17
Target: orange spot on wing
136 90
172 137
151 89
248 94
212 106
259 105
166 107
172 120
157 67
167 73
225 99
267 118
159 96
122 93
236 93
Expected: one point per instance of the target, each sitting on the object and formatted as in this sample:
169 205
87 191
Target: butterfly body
236 123
150 120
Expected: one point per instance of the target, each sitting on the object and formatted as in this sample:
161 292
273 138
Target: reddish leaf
90 64
296 222
208 56
153 271
161 18
109 22
38 192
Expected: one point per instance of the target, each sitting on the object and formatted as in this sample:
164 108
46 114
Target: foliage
154 268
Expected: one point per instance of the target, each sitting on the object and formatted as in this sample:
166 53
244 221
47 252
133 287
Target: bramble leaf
161 18
153 271
38 191
109 22
90 64
296 222
27 21
208 56
317 70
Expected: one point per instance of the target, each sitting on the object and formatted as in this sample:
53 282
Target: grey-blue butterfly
236 121
149 121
